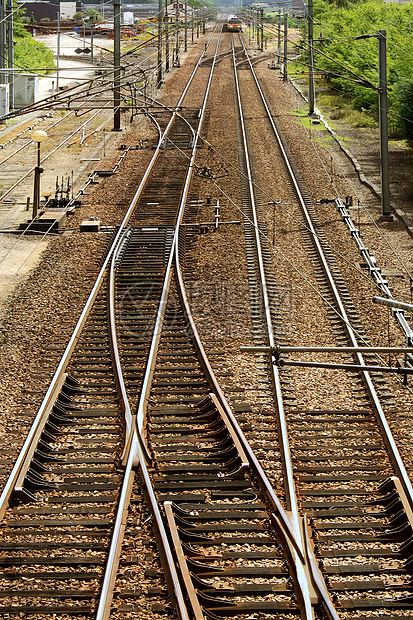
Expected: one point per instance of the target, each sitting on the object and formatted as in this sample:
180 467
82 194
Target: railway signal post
38 137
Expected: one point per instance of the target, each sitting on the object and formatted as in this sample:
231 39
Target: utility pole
10 53
262 28
384 146
92 24
311 90
116 66
176 34
285 46
257 17
160 14
3 42
186 26
203 21
58 54
279 38
166 37
257 13
192 24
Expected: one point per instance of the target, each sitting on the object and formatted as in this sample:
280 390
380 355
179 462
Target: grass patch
339 108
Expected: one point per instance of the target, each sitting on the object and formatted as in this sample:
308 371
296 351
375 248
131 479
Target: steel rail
394 454
91 177
136 452
13 187
121 388
19 135
281 513
150 367
30 141
289 484
129 418
375 271
8 488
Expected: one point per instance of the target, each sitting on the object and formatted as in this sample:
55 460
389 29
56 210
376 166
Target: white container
4 99
26 89
128 18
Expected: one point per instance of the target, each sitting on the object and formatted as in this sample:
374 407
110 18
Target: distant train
233 24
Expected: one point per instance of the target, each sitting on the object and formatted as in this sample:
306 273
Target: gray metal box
26 89
4 99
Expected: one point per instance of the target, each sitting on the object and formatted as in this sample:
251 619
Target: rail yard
204 413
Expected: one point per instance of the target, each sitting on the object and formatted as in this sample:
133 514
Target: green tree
351 64
404 97
32 55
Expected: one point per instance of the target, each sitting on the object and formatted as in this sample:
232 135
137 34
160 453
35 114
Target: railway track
137 489
70 502
67 503
342 465
120 370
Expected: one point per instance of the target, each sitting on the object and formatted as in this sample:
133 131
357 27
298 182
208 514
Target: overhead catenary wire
28 230
289 214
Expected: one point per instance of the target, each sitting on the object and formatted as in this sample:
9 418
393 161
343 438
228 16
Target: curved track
135 435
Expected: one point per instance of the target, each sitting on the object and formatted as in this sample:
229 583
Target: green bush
31 55
352 65
404 96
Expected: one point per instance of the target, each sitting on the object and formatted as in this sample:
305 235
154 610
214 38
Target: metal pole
36 192
384 146
10 53
116 68
397 370
160 15
203 21
279 37
186 26
311 91
277 350
166 38
92 23
304 27
262 29
285 46
192 25
3 42
393 303
176 35
58 54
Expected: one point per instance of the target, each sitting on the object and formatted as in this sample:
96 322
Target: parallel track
342 458
225 544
